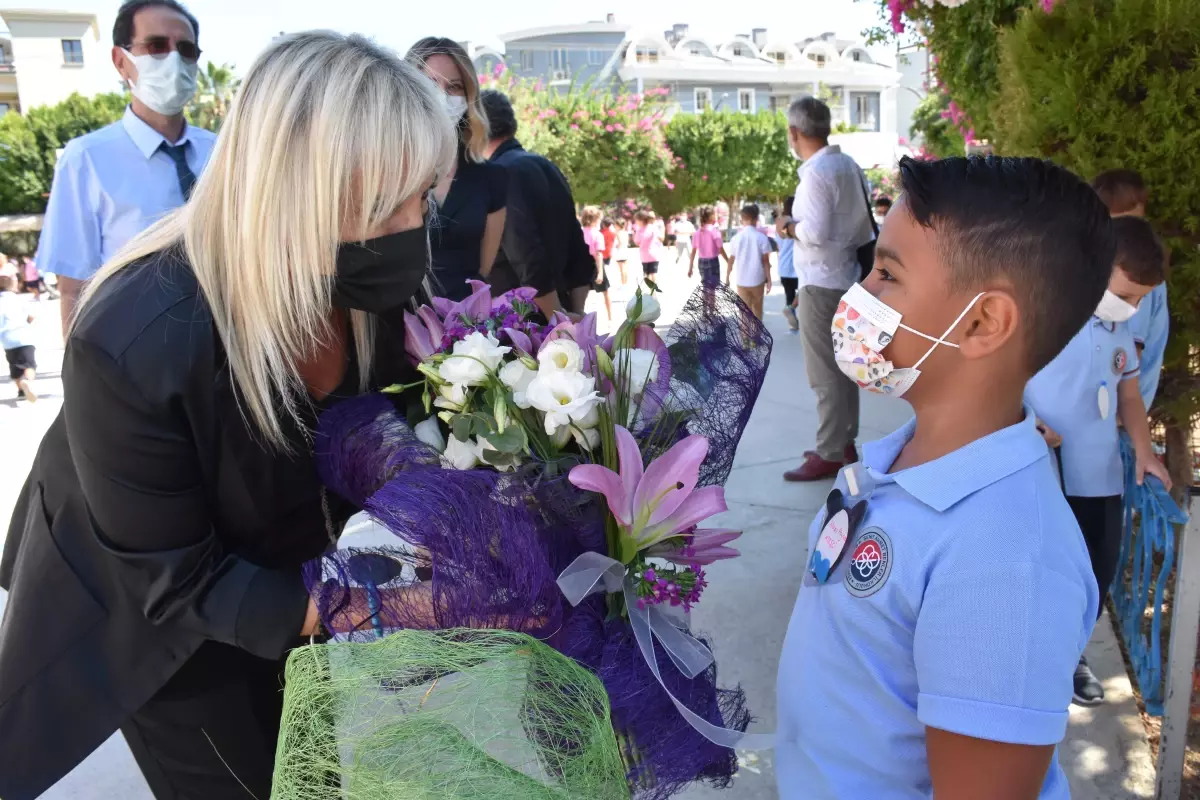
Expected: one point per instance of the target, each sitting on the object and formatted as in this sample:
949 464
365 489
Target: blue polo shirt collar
146 139
943 482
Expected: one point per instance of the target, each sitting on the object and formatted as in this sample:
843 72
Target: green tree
1099 84
939 136
29 145
216 87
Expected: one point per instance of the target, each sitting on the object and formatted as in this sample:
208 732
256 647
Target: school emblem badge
870 563
1119 361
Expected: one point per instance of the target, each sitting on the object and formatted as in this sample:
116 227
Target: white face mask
165 85
1114 309
455 105
863 327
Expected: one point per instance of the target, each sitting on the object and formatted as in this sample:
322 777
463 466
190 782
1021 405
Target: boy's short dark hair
1122 190
883 200
1027 221
1140 253
502 120
123 26
750 211
604 223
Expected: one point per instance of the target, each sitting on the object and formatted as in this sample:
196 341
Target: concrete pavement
748 604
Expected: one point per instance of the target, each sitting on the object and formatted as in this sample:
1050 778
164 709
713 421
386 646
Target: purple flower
699 547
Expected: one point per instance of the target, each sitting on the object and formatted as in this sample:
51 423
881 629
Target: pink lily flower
656 503
701 547
422 333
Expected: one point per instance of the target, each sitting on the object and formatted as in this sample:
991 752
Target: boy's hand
1149 465
1049 434
781 223
690 271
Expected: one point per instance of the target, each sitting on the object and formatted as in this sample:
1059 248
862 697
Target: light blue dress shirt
1066 395
962 602
786 268
109 186
1150 327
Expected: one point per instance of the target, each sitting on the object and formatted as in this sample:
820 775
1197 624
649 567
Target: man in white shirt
112 184
831 220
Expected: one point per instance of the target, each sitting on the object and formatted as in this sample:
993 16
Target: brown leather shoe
814 468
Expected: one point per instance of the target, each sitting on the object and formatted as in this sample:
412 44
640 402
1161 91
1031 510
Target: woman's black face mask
381 274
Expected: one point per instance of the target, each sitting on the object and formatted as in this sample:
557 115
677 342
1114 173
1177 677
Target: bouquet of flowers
546 479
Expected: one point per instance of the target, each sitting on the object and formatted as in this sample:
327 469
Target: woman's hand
312 620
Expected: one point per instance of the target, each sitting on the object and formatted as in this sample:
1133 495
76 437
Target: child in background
707 244
16 336
684 231
1124 192
589 220
750 262
883 204
34 282
648 234
609 231
949 594
1080 396
621 248
787 273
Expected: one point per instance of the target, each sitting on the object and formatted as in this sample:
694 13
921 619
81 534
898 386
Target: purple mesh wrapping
487 547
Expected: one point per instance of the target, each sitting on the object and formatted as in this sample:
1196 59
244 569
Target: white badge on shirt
1103 401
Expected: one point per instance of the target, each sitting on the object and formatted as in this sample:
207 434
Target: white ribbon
591 573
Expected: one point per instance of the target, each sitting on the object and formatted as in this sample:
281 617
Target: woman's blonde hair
589 216
473 132
329 134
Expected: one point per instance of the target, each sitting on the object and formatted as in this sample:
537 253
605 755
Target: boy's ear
990 325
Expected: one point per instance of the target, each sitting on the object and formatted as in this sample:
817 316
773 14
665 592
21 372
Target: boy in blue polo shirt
1124 192
1080 396
948 594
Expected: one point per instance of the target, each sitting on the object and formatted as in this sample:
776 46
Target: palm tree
217 86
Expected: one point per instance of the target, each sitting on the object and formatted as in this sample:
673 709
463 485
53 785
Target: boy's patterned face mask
863 327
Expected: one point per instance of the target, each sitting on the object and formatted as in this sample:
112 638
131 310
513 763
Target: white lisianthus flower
472 359
588 438
461 455
562 355
650 310
516 376
635 368
430 433
563 397
451 396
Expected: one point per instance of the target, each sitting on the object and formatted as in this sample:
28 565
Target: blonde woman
154 557
471 197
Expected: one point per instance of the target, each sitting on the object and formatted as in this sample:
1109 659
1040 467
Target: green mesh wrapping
459 713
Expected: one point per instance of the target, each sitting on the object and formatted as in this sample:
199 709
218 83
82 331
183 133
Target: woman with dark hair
470 200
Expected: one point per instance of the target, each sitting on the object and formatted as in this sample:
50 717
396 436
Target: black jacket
456 234
543 244
153 519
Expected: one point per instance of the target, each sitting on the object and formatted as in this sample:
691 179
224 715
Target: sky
234 31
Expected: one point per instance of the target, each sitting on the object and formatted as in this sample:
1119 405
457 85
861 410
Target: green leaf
461 427
512 440
653 286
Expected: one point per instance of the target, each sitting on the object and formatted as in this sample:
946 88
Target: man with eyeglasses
113 183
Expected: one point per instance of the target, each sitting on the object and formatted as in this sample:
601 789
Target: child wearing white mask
1079 398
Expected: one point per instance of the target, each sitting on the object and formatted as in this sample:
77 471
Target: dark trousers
210 733
790 285
710 271
1100 520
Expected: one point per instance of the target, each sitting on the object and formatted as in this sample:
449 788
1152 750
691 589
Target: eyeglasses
160 47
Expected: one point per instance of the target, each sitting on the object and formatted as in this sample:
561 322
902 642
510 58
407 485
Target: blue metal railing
1150 518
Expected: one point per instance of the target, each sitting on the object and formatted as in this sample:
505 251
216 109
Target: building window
595 57
856 55
779 102
746 101
4 109
558 62
646 55
703 99
818 59
72 51
864 110
778 56
738 51
526 57
698 49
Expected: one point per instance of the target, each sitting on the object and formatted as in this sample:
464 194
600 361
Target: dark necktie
178 154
